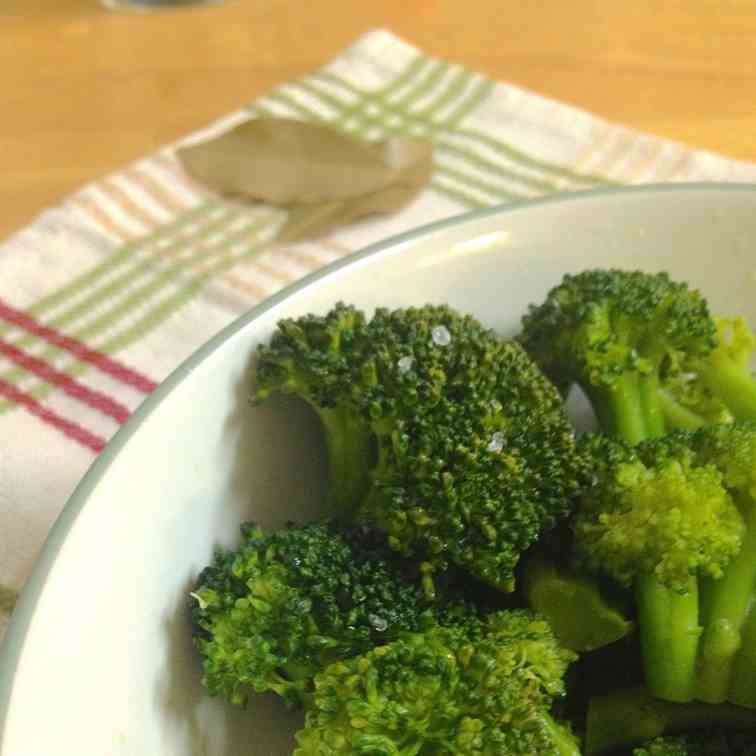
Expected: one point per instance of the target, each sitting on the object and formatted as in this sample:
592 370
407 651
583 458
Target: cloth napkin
102 296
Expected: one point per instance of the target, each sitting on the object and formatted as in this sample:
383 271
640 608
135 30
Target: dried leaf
324 177
312 221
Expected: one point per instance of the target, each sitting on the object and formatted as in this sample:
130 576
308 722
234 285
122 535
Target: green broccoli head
312 356
612 332
731 448
688 404
482 688
659 517
716 387
724 374
443 435
676 517
727 657
286 604
656 509
736 342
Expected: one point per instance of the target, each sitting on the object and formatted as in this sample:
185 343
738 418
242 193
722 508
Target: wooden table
85 90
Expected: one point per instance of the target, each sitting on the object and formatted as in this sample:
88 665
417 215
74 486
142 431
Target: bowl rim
12 644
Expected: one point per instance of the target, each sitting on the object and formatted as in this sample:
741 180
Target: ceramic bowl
98 660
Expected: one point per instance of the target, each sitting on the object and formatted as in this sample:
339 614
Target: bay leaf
313 221
325 178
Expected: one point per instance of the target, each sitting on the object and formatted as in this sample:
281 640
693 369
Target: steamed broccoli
727 657
724 375
453 469
659 517
686 402
438 432
481 688
617 334
272 614
716 387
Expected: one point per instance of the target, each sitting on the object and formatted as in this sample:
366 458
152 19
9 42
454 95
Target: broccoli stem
653 411
627 717
676 416
582 619
623 718
351 448
732 383
743 687
562 739
669 635
726 602
620 409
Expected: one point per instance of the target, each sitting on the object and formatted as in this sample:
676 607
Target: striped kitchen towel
105 294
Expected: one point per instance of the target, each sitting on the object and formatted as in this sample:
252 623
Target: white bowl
98 660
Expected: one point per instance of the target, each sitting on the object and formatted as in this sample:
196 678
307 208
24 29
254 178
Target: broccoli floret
717 743
716 387
316 358
270 615
627 718
727 657
686 402
658 517
614 333
724 374
483 688
438 432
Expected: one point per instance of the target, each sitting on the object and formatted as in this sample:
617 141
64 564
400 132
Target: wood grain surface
84 90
